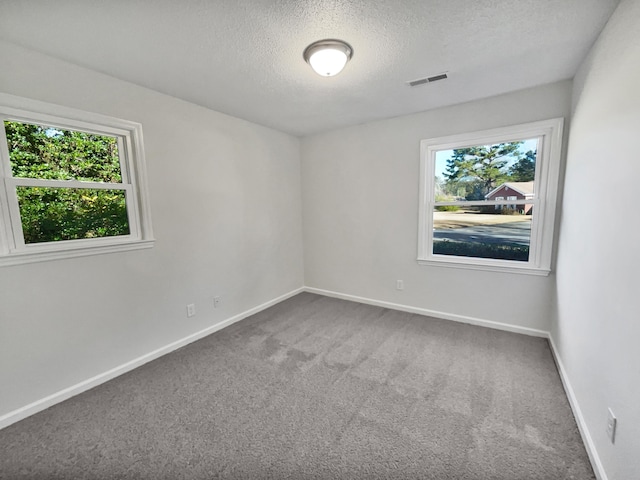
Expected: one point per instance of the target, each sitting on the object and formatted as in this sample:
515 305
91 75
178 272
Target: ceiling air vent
422 81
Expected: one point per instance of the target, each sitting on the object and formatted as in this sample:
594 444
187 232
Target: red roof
523 188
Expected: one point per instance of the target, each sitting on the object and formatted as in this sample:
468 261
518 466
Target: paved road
516 232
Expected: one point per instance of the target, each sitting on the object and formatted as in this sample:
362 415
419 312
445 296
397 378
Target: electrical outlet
216 302
612 422
191 310
399 285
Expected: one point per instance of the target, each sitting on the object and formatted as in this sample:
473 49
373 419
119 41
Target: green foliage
485 163
525 169
475 171
58 213
446 208
482 250
469 189
509 211
38 151
53 214
475 190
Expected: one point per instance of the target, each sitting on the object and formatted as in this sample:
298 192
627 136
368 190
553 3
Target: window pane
53 214
41 151
476 173
482 232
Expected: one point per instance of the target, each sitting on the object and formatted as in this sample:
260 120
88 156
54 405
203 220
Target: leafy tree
484 164
37 151
524 170
471 189
56 213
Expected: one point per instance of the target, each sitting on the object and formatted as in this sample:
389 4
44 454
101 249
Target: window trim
549 134
13 251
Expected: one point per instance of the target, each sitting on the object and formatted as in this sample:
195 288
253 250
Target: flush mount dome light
328 57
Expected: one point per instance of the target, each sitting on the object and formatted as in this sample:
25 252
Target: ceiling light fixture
328 57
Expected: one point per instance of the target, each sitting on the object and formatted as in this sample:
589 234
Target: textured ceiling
244 58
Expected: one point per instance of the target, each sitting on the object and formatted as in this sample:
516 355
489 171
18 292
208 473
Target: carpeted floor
317 388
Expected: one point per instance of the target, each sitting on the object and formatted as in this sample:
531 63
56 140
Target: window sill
465 265
18 258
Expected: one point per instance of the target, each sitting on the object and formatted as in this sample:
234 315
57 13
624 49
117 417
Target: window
71 183
488 199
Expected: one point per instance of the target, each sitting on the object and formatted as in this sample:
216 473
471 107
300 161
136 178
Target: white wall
360 213
226 212
597 332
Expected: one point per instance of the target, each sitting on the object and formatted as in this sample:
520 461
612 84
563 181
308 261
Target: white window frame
13 249
549 135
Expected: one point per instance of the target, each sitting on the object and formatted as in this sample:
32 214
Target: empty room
319 239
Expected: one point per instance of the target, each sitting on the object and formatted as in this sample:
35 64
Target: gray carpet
317 388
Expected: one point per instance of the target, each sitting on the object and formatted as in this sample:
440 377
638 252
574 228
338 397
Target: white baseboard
598 468
575 407
432 313
44 403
